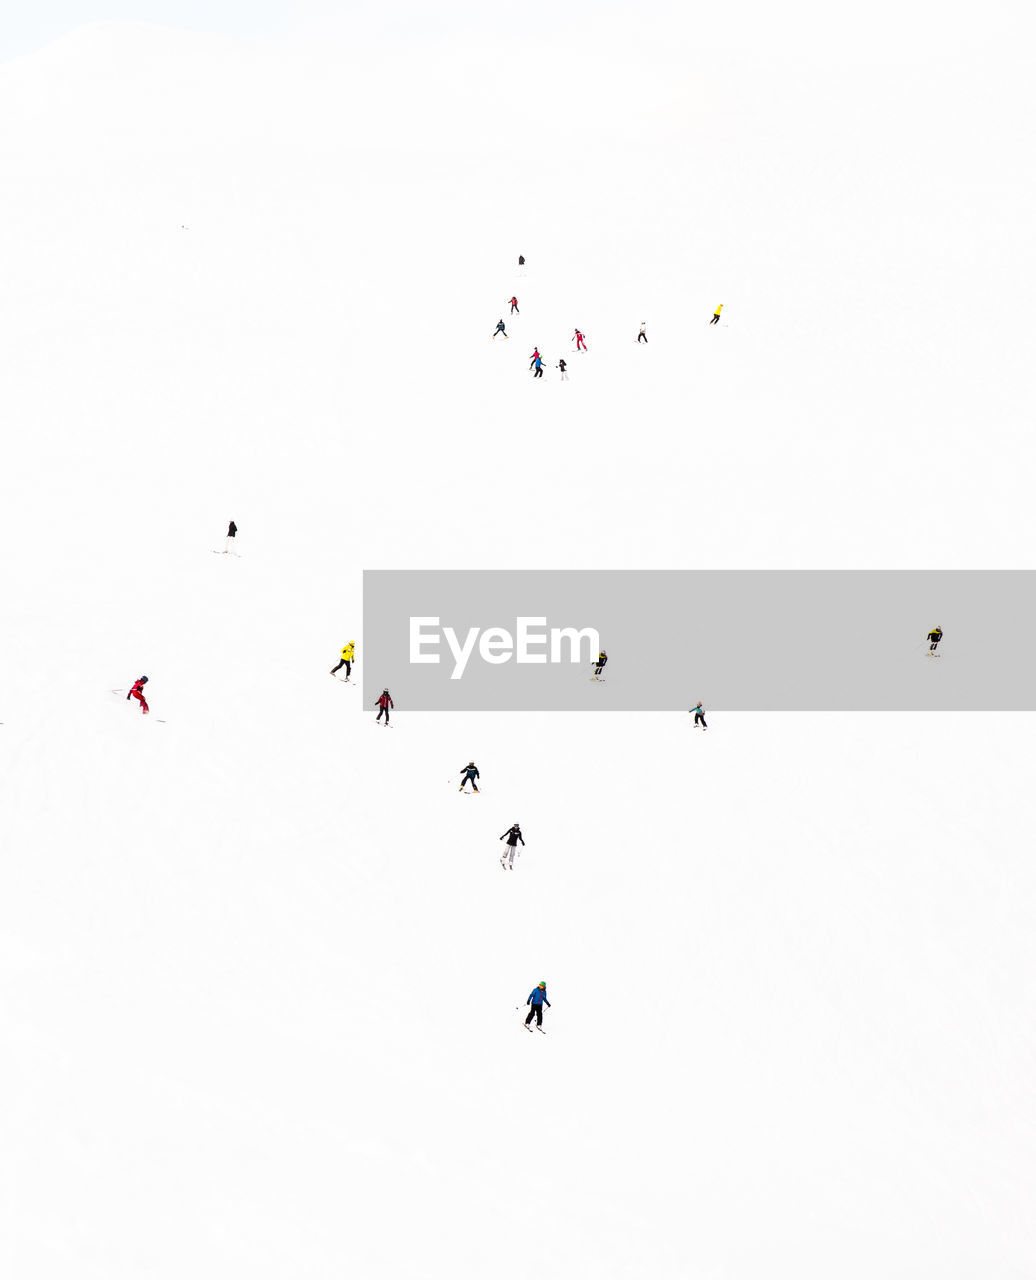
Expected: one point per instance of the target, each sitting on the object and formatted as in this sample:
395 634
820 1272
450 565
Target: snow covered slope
260 962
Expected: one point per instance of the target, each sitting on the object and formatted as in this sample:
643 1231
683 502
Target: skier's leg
539 1014
532 1010
341 663
348 670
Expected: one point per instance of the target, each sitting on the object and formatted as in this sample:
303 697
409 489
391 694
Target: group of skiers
578 337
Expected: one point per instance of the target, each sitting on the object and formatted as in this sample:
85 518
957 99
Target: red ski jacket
385 700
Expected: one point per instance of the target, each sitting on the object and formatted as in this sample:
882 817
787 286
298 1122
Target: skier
538 366
534 357
346 660
231 535
514 307
580 341
138 692
602 659
562 366
521 261
699 716
383 704
512 836
642 335
470 774
935 635
499 329
537 999
715 314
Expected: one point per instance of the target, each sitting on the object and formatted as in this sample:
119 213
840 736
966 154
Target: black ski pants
714 320
699 717
342 663
535 1011
642 337
383 711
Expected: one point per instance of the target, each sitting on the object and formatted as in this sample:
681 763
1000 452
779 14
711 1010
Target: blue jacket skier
470 774
537 999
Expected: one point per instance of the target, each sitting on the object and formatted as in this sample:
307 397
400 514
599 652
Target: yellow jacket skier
346 659
715 314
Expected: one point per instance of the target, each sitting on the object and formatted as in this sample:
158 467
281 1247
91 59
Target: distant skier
470 774
602 659
642 335
346 660
512 836
537 364
499 329
699 716
138 692
514 307
231 535
537 999
935 635
521 261
534 357
715 314
563 366
383 704
580 341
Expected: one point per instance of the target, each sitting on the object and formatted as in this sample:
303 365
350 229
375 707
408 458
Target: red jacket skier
534 357
138 692
383 704
580 341
514 306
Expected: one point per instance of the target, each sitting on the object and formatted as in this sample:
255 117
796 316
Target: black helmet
143 679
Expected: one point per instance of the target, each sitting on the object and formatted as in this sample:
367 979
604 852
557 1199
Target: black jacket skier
935 635
512 836
470 774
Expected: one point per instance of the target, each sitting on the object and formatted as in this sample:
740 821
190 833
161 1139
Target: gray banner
739 641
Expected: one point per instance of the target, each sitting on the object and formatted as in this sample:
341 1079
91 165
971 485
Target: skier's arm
520 838
506 834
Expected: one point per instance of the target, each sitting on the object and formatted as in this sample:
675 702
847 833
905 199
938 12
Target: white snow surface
260 965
